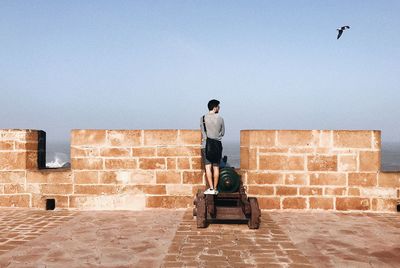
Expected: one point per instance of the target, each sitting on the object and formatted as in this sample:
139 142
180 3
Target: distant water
59 154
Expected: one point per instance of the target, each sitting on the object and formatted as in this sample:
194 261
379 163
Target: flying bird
340 31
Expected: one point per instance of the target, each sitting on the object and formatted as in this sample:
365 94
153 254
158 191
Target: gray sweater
215 127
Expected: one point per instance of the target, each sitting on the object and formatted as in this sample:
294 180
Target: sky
155 64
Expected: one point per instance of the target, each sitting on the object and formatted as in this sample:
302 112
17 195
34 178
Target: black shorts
205 160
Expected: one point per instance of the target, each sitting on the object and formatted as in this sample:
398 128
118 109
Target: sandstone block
124 138
49 176
146 189
95 189
193 177
12 160
337 191
264 178
144 152
328 179
352 139
281 150
169 201
325 139
352 203
77 152
14 188
127 177
362 179
17 200
115 152
178 151
296 178
26 146
370 160
189 137
353 192
322 163
86 163
260 190
244 138
88 137
31 135
281 162
389 179
196 163
19 134
244 157
58 189
160 137
179 189
114 163
283 190
376 139
321 203
262 138
384 205
347 163
387 193
31 160
294 203
163 177
172 163
183 163
152 163
86 177
12 177
269 202
6 145
290 138
310 191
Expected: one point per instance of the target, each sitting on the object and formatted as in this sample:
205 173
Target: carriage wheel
254 221
201 211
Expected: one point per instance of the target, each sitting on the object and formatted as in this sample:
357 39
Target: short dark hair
212 104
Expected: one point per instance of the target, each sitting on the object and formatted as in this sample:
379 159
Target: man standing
212 127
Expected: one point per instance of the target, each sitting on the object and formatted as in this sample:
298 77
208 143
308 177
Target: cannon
231 204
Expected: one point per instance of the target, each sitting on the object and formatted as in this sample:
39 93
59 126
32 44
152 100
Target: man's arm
203 133
222 131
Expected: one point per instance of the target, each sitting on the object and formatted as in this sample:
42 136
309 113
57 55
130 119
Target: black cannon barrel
229 180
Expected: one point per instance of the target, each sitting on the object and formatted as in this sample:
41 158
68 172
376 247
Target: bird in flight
340 31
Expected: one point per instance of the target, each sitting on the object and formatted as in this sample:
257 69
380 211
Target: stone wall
134 169
138 169
317 169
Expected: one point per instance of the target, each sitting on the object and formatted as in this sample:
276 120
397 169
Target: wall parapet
139 169
317 169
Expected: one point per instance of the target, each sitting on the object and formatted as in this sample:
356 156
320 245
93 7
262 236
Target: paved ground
167 238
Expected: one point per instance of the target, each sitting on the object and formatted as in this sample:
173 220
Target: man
214 129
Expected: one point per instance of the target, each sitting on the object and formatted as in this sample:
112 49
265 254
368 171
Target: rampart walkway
168 238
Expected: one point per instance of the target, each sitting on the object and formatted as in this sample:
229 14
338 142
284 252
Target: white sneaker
216 192
209 191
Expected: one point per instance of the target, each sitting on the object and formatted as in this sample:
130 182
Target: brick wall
138 169
19 153
134 169
317 169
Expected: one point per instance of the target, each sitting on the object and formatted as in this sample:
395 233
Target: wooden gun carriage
231 204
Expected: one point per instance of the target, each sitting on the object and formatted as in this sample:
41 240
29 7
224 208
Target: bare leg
209 175
216 175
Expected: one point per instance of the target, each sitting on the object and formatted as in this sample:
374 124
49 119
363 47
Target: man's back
215 126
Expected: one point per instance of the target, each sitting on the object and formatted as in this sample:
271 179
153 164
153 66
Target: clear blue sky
155 65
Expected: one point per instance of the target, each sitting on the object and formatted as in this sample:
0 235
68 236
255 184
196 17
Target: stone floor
168 238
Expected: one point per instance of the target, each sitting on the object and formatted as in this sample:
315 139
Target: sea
58 155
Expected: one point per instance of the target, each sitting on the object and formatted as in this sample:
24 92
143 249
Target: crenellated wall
139 169
317 169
